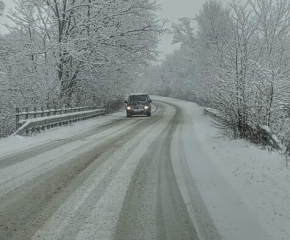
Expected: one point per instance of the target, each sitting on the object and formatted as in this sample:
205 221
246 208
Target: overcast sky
8 4
171 10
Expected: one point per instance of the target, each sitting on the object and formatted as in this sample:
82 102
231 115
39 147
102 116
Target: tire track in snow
35 151
18 174
102 222
200 217
154 207
24 210
9 160
80 204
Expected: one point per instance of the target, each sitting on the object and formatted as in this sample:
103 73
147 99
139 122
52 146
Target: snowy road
112 182
163 177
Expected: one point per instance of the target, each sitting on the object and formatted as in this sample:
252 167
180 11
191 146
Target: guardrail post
42 112
17 118
26 110
34 112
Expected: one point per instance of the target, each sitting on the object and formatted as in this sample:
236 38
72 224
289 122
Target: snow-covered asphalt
129 178
115 181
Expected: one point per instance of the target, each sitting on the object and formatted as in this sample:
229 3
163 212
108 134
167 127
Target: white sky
3 20
171 10
175 9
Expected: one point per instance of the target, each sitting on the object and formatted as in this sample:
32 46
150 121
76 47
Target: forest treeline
236 60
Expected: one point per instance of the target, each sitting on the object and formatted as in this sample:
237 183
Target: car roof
138 94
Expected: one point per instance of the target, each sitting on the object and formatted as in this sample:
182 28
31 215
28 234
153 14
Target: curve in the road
122 186
154 207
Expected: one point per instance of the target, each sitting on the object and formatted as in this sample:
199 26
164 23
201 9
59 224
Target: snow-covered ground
246 189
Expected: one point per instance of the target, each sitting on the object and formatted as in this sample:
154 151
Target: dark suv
138 104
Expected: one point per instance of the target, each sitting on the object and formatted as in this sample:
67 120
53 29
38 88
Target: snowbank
246 189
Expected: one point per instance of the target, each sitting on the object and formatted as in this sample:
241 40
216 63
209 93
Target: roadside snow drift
245 189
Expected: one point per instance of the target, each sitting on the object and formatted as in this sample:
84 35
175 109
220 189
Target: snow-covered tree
2 6
63 52
237 61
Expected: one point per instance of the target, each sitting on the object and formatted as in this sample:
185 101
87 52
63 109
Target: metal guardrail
42 123
27 113
211 112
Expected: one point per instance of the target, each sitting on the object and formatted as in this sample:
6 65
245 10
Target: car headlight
146 107
129 108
